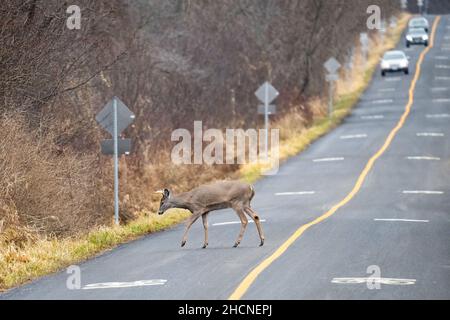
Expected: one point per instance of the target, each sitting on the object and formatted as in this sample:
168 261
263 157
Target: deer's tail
253 193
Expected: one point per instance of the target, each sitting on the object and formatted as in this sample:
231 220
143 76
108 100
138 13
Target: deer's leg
205 226
241 214
255 218
191 220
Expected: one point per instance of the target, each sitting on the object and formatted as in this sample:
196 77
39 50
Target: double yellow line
251 277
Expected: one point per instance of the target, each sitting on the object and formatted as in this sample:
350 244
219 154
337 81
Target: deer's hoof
183 243
236 245
204 246
262 243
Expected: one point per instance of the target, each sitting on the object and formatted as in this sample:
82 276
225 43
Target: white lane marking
441 100
386 90
372 117
382 101
139 283
389 281
422 192
300 193
402 220
424 158
442 78
439 89
441 58
354 136
328 159
233 222
442 66
393 79
437 116
429 134
445 49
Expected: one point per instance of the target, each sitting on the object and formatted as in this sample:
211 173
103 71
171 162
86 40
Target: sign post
115 117
266 94
332 66
364 39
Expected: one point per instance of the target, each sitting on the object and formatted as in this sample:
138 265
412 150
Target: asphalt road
409 183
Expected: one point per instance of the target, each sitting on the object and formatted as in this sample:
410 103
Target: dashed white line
422 192
393 79
424 158
402 220
439 89
233 222
438 116
441 58
429 134
442 78
328 159
441 100
442 66
386 90
372 280
353 136
111 285
374 117
382 101
300 193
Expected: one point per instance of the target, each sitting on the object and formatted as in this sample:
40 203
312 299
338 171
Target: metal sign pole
116 164
330 99
266 121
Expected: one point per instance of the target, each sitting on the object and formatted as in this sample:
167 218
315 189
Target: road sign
332 65
272 109
332 77
266 93
420 3
404 4
124 146
115 117
364 39
393 22
106 117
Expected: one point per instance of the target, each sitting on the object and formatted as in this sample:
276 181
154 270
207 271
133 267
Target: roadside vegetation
169 66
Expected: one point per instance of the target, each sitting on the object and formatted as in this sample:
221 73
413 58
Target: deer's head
165 201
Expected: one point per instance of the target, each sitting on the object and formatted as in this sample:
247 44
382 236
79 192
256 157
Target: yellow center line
251 277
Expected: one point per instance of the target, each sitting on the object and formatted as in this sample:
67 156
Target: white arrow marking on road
382 101
390 281
139 283
430 134
233 222
328 159
422 192
424 158
434 116
354 136
372 117
300 193
402 220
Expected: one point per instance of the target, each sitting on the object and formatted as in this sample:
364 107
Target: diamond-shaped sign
266 92
332 65
106 117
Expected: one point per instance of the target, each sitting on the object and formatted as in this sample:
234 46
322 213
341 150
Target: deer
201 200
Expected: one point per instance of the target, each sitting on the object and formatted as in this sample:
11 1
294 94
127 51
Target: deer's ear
166 193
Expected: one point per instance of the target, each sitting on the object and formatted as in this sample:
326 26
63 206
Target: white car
419 22
394 61
416 36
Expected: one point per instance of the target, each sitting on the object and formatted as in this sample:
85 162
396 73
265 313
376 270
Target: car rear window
393 56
